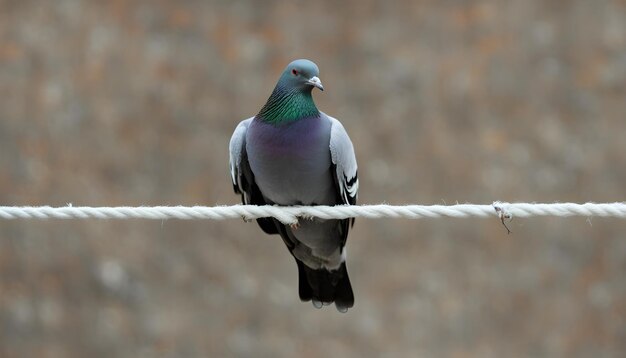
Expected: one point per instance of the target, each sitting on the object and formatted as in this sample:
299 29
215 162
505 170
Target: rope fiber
291 214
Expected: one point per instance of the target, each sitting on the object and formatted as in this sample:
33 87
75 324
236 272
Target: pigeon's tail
324 287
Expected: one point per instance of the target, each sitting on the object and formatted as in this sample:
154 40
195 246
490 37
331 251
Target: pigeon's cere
290 153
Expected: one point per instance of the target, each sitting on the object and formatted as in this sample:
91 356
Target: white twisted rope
290 214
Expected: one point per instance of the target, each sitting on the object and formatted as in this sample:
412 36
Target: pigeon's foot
295 226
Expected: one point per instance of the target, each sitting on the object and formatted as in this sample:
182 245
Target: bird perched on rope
290 153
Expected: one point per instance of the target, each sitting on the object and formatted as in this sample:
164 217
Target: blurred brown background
133 103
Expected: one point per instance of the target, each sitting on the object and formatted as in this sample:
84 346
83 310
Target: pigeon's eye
294 72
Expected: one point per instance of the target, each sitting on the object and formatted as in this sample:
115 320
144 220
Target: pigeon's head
301 74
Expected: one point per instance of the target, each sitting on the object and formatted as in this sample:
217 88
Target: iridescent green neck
285 106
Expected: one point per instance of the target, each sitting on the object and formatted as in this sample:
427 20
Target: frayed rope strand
291 214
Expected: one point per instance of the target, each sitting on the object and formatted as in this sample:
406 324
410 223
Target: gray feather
342 154
236 148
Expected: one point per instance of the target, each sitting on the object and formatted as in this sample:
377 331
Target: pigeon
291 153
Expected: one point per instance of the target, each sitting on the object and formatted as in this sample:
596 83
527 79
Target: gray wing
242 176
344 163
237 149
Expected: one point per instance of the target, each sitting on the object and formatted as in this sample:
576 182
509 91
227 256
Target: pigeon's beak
315 82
